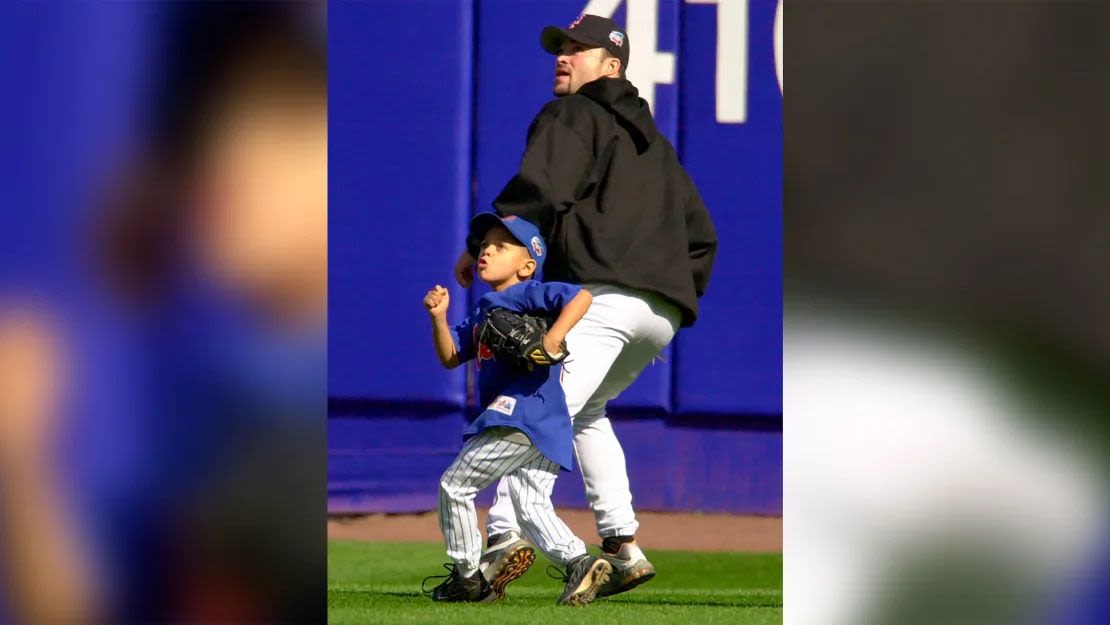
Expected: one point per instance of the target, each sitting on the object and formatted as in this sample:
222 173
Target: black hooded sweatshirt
608 193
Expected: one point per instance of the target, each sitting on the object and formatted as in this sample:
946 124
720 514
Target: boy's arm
572 312
445 344
436 302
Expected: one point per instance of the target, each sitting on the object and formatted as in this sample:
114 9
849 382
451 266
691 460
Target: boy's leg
484 458
530 489
594 344
633 329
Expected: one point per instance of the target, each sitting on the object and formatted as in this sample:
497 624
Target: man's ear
613 66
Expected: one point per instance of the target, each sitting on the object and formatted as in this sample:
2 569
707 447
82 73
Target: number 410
649 67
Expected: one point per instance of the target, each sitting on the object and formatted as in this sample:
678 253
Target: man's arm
555 163
702 238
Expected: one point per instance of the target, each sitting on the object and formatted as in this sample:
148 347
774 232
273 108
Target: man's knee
589 419
578 402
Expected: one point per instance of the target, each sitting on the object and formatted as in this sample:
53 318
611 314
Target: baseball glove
517 340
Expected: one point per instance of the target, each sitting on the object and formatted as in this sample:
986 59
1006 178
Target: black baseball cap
592 30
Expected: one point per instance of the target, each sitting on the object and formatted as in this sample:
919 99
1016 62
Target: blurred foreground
163 312
946 351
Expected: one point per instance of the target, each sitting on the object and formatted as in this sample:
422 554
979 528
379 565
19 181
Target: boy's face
501 256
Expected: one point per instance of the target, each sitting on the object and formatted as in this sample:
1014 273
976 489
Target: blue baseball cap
522 229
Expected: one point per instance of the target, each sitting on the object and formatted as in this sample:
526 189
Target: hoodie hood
620 97
606 190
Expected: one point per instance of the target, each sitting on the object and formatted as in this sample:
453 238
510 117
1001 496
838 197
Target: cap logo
617 37
576 22
537 246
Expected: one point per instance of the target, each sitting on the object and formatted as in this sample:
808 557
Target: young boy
524 431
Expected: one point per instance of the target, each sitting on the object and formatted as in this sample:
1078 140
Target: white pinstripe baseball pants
529 478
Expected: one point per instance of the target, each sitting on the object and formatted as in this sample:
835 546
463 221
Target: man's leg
502 517
646 327
604 474
599 453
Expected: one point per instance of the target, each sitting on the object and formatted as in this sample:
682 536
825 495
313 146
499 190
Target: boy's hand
436 302
554 345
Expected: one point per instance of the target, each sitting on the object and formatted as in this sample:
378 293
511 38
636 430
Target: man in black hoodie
623 219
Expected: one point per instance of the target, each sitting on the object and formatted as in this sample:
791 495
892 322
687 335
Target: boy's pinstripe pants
491 454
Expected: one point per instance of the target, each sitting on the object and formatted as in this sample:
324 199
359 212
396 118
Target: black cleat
457 588
584 576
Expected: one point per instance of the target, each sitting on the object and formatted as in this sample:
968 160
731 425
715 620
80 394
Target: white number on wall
648 67
732 59
778 46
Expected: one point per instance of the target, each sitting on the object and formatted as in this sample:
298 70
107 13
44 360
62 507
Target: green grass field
380 583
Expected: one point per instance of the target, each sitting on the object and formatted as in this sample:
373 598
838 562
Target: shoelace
450 566
562 574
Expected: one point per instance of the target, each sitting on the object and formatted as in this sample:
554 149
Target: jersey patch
503 404
484 352
481 351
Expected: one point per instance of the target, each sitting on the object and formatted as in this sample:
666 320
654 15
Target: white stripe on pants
620 334
529 475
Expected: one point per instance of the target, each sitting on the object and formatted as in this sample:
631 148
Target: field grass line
535 591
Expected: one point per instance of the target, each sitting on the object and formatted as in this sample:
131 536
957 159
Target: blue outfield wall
424 133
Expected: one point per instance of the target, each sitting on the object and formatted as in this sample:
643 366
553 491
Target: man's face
575 65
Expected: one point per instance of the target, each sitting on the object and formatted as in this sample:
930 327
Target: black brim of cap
552 37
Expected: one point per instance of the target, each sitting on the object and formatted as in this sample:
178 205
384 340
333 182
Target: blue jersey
533 401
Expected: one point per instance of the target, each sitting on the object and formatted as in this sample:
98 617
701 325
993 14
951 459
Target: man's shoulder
570 108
